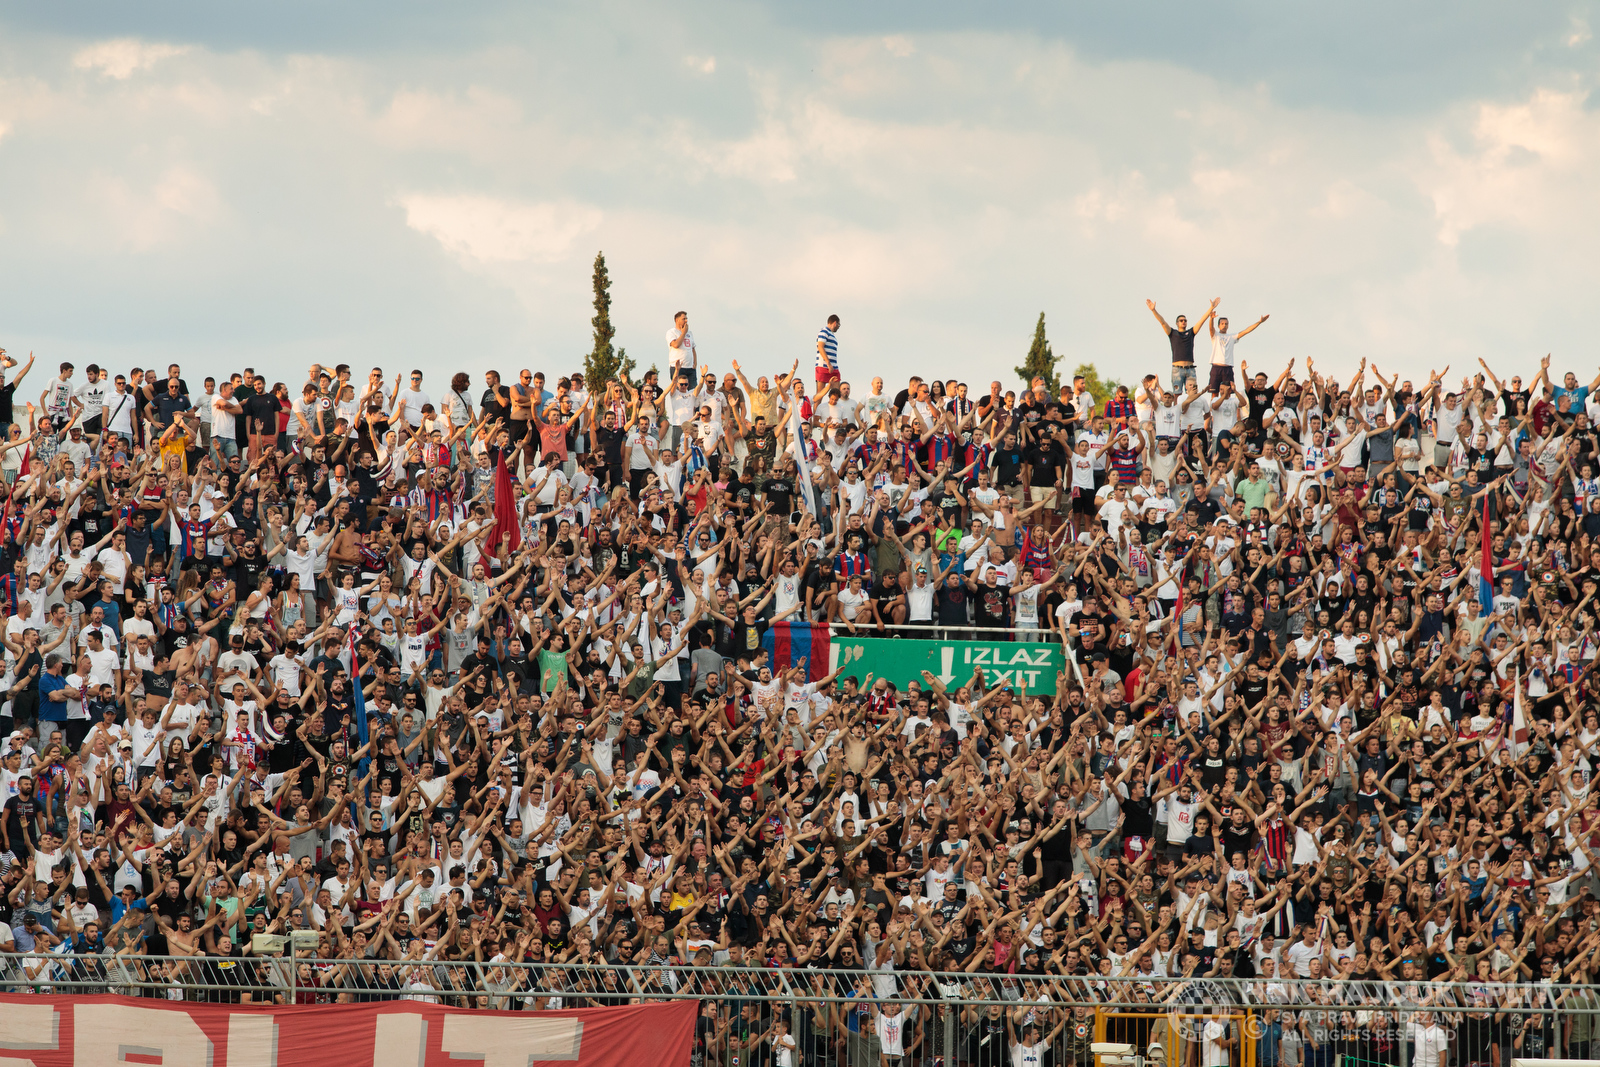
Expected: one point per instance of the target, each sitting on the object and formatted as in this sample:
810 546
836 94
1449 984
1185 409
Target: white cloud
701 64
900 47
124 56
142 217
487 229
1527 167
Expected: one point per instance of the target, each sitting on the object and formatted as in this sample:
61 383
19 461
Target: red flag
505 515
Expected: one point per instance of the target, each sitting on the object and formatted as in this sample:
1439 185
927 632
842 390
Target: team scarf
696 460
372 560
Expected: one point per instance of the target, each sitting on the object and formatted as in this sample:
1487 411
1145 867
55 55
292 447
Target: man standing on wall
680 348
828 352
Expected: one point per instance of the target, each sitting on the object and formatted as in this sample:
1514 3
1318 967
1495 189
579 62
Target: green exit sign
1024 665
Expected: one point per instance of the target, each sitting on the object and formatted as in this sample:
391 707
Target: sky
411 184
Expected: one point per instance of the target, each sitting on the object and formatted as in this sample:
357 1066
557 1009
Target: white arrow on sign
947 662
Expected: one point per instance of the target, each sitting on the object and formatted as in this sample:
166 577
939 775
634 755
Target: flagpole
798 447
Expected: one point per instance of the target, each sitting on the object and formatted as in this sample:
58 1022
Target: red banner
49 1031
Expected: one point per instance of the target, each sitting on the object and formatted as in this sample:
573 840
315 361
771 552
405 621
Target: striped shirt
1125 461
1121 408
828 357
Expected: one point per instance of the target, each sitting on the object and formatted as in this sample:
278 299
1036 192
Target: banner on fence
1022 664
63 1031
787 643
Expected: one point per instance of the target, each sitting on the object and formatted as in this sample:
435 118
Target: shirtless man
346 548
522 400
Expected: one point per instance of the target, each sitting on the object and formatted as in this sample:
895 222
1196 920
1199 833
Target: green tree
1040 362
604 361
1101 389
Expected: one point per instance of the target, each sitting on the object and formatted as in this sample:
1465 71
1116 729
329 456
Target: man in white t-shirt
285 668
114 561
1180 808
414 399
1222 343
1217 1036
1117 511
57 395
223 410
1300 954
92 394
105 667
681 354
1431 1042
120 407
1224 409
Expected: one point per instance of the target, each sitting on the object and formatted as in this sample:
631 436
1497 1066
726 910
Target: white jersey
786 592
348 603
1222 349
1028 608
1082 472
413 652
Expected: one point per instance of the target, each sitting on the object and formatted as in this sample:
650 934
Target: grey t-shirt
706 662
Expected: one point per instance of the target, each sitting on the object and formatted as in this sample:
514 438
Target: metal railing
833 1014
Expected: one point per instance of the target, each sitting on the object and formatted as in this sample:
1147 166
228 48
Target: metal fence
854 1018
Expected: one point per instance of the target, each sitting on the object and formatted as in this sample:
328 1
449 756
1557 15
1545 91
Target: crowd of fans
399 691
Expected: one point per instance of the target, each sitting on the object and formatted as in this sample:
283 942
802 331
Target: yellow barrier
1179 1032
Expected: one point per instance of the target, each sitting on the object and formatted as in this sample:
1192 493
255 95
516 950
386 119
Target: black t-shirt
7 391
174 639
780 492
496 403
247 572
762 444
1047 459
1138 818
159 685
608 441
1509 398
992 605
242 396
1253 692
27 677
19 816
1237 839
1182 342
1008 466
1260 402
94 522
262 412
